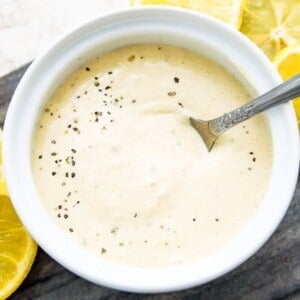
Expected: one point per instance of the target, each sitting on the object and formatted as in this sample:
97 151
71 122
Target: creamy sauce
119 168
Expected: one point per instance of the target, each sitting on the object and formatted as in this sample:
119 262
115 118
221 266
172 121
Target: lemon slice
272 25
229 11
17 249
287 63
3 189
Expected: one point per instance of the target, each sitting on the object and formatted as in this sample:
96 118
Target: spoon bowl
212 129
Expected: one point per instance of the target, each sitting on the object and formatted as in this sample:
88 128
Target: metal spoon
211 130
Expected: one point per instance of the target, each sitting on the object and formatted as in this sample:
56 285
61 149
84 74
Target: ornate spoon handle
282 93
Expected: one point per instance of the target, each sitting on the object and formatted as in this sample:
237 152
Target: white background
28 26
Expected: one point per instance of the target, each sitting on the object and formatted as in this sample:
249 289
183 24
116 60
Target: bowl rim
118 276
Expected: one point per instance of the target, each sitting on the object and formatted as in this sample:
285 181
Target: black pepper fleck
103 250
114 230
171 94
87 69
176 79
131 58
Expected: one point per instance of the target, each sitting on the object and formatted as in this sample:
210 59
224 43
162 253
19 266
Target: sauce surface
120 169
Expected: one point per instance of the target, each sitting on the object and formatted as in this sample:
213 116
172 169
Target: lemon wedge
229 11
3 189
272 25
287 62
17 248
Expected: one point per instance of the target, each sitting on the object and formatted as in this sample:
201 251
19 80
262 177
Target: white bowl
147 25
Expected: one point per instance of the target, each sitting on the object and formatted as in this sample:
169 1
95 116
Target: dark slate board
273 273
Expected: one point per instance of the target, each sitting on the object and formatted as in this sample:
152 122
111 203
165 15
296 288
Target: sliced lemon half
271 24
287 63
229 11
17 248
3 189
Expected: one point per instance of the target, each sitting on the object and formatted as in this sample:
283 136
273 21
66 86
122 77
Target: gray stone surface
272 273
